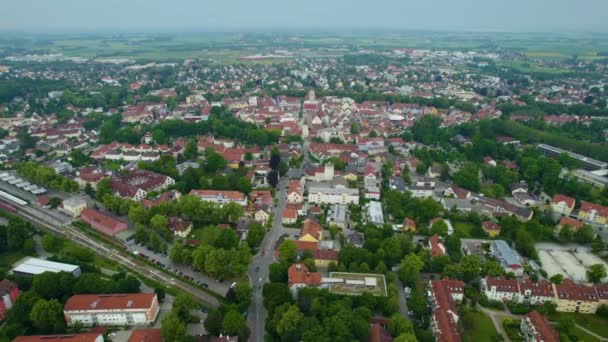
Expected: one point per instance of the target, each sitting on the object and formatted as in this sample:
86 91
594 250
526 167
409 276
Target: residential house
409 225
295 193
221 197
569 222
8 295
135 183
289 215
456 192
298 277
145 335
571 297
500 289
562 204
535 328
84 337
180 228
320 173
535 293
311 231
491 228
592 212
332 195
436 247
111 309
443 295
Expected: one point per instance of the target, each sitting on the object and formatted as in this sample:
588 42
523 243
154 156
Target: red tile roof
145 335
88 337
299 274
289 213
306 245
570 291
436 249
6 286
563 198
572 223
109 301
311 228
544 330
601 210
489 225
541 288
502 284
102 222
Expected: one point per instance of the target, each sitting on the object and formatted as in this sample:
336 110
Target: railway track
134 265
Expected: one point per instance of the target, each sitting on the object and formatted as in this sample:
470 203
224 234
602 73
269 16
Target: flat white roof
38 266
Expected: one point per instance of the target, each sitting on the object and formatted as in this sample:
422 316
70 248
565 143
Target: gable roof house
562 204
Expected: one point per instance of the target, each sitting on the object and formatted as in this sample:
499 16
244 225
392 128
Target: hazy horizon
44 16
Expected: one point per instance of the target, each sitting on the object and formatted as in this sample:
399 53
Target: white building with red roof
500 289
562 204
221 197
592 212
111 309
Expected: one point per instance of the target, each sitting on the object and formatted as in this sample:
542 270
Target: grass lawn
593 323
477 327
583 336
463 228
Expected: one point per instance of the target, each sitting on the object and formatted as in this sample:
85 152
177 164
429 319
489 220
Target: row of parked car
172 270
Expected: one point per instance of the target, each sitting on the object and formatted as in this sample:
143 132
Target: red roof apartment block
535 327
111 309
88 337
145 335
102 222
8 295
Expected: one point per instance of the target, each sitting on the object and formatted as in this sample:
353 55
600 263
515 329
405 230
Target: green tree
410 268
191 150
440 228
173 328
557 278
595 273
398 325
288 250
470 266
255 234
232 323
406 338
47 316
288 320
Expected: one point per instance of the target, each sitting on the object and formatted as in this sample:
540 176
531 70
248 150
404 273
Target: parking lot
162 260
571 260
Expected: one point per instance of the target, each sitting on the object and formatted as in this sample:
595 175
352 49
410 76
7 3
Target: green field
463 228
534 68
593 323
479 327
228 47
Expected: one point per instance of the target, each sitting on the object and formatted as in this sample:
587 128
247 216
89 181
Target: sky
244 15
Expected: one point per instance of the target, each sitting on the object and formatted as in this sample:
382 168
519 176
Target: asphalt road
258 270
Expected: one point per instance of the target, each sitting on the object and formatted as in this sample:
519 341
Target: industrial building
33 266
